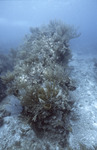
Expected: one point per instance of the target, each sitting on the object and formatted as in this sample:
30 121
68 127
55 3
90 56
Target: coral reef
6 64
7 61
41 81
2 90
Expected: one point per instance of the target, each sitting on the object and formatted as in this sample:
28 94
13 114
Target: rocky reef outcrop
40 80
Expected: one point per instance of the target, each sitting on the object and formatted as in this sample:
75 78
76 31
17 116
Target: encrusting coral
41 81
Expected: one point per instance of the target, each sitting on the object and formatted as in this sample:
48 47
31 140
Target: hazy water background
16 16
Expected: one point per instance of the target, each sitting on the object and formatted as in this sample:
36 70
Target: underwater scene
48 75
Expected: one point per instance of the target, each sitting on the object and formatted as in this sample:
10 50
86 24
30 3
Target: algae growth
40 79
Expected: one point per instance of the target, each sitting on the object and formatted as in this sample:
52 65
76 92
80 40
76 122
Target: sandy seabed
84 123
